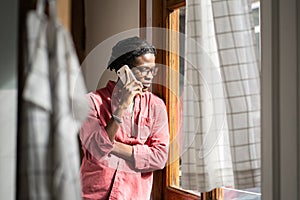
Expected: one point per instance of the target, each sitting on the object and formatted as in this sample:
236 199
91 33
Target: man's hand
130 90
123 151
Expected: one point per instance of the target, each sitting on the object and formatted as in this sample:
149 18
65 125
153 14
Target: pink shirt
106 176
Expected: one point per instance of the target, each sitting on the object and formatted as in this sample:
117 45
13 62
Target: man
126 136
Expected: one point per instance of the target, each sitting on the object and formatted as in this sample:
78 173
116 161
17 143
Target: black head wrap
125 52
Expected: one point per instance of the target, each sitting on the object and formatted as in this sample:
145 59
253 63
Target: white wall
106 23
280 99
8 97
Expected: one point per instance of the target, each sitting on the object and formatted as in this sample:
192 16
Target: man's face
145 69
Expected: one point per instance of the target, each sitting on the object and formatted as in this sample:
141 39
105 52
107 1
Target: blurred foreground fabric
53 107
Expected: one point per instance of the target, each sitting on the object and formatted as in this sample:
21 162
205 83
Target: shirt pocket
145 128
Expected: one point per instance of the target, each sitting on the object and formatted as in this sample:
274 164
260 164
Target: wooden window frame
165 14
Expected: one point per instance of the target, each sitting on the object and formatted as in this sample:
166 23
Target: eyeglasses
144 70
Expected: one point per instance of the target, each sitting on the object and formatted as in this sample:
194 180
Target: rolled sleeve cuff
95 139
141 157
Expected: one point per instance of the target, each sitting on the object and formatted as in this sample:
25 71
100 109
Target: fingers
129 92
134 84
133 87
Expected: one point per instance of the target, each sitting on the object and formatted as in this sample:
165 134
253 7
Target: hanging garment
34 149
69 109
52 112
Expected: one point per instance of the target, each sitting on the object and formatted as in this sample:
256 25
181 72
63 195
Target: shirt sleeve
153 155
93 135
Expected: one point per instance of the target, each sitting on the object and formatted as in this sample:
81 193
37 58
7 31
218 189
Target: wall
280 99
8 97
106 23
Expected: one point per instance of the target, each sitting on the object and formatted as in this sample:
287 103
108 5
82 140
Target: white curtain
221 107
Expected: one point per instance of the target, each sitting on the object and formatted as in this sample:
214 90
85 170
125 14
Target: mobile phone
122 74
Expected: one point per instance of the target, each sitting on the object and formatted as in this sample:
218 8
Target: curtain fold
221 106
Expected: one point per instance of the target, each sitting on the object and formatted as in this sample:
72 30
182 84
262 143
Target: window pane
183 166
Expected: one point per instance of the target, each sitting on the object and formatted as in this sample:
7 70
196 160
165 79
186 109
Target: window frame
164 15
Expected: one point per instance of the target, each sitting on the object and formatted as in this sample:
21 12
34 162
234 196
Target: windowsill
247 194
188 191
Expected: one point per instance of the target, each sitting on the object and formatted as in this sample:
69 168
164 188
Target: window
171 14
175 63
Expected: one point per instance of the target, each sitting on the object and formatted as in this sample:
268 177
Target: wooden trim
172 103
178 194
172 100
215 194
143 13
174 4
158 20
158 186
64 12
163 15
158 14
143 17
78 28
